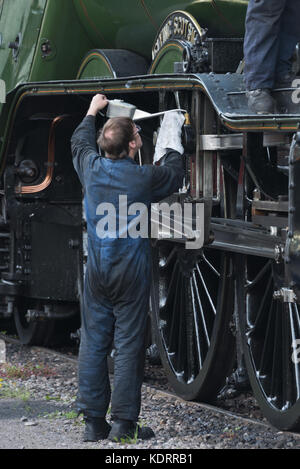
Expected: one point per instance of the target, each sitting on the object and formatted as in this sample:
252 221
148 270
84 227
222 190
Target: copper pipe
50 163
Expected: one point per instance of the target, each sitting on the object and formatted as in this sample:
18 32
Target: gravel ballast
37 411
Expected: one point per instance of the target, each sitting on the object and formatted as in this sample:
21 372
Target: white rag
169 135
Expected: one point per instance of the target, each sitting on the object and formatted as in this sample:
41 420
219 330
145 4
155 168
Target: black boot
125 429
261 101
96 428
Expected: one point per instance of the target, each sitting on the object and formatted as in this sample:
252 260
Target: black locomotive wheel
270 328
34 332
191 302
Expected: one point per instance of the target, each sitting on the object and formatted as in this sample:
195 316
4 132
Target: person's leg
131 310
95 342
129 369
261 43
129 357
289 36
97 325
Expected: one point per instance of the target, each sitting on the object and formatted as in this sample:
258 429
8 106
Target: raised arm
168 177
83 141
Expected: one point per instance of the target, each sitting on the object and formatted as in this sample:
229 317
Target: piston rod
244 238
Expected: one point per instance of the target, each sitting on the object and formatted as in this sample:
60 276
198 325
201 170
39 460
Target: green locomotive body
46 40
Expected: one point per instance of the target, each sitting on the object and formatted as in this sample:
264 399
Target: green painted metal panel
117 24
20 22
66 40
55 35
133 24
94 65
169 54
222 18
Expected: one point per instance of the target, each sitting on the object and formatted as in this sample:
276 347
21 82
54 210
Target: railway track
156 386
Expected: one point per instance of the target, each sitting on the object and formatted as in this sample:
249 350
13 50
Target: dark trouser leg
96 339
130 328
289 36
261 45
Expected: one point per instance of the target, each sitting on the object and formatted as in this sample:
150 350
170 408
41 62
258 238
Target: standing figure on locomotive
272 32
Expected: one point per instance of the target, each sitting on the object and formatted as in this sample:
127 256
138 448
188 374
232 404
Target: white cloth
169 135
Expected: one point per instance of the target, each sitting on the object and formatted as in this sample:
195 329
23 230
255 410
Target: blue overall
118 275
272 32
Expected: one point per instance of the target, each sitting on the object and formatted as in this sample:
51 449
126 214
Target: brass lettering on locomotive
177 26
163 37
185 29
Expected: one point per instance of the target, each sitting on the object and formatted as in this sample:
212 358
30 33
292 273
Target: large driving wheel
192 301
270 327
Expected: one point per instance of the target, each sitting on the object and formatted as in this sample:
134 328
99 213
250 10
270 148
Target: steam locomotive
233 301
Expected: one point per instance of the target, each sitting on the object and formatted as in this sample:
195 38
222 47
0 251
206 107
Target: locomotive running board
227 93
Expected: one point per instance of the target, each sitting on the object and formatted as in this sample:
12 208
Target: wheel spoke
201 309
169 298
260 314
293 332
267 345
297 317
206 290
214 270
253 283
172 338
182 357
196 323
164 262
286 374
276 362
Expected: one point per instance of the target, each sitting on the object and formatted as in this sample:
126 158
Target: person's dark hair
115 137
